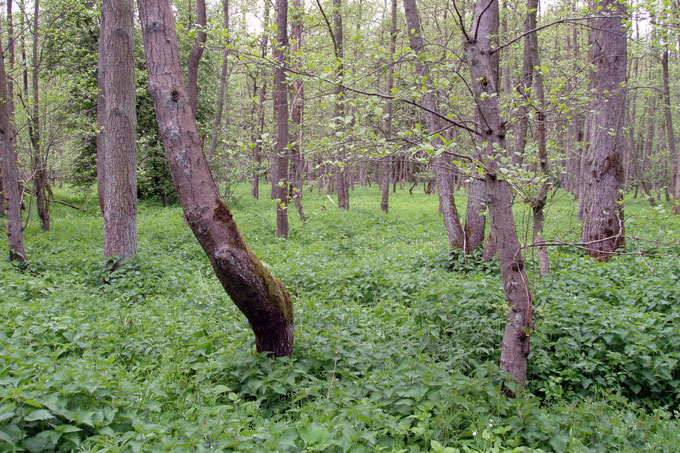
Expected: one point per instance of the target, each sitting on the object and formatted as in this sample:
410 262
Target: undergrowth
397 340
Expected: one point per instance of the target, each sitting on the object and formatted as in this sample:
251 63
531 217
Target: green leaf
220 389
45 440
313 434
6 415
39 414
5 438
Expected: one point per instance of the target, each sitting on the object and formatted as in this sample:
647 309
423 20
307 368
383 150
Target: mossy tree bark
259 295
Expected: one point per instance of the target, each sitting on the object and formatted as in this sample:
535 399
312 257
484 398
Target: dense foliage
396 340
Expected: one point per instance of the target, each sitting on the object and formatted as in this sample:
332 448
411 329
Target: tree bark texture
515 346
10 175
117 158
196 54
475 219
260 296
281 158
602 169
441 165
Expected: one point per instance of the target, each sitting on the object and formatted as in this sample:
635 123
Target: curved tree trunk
117 157
603 227
11 194
259 295
484 83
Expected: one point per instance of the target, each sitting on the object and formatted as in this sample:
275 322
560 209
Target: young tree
224 75
196 54
11 194
280 164
532 71
39 157
297 110
483 81
257 149
441 165
342 173
385 166
602 169
260 296
670 136
117 155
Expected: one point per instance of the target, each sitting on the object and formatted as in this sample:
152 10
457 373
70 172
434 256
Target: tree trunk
341 172
385 163
280 170
538 204
224 75
39 160
298 164
483 80
524 88
101 113
117 158
645 178
475 220
261 297
10 95
11 194
577 126
196 54
669 134
603 226
257 149
441 165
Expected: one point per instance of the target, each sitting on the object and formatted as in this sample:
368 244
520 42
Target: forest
340 225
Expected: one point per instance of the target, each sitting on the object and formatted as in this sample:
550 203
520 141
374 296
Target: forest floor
396 342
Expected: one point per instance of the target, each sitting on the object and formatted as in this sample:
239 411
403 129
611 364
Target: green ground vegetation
397 341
